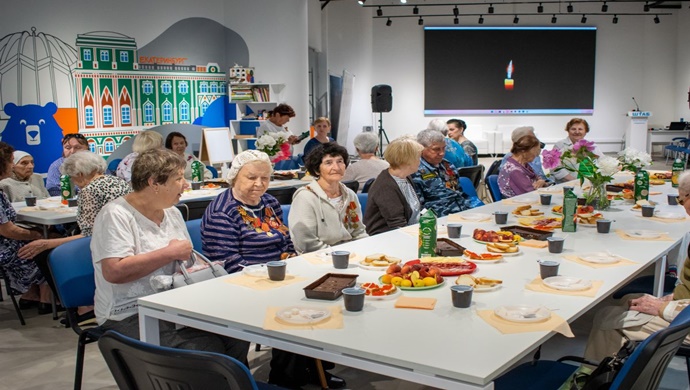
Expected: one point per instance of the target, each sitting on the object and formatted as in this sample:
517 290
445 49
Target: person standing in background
277 119
456 132
322 126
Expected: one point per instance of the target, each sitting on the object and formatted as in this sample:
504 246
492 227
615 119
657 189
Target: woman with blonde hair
144 141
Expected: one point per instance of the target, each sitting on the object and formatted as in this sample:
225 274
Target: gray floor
41 355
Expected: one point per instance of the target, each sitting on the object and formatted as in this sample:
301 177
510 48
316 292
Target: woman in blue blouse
322 126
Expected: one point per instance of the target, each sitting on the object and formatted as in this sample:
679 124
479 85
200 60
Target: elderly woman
455 154
325 212
72 143
277 119
141 235
144 141
23 182
177 142
517 176
518 133
322 127
392 201
456 132
577 129
369 166
640 316
23 273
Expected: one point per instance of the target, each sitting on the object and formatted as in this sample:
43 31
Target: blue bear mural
33 129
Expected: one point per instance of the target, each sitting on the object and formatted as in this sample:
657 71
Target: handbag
605 373
185 277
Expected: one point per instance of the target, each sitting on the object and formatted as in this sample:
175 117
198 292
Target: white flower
634 158
608 166
265 141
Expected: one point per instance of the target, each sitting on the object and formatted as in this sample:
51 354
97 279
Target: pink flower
283 154
552 158
583 144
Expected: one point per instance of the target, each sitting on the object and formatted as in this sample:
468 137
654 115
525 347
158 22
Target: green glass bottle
677 168
641 185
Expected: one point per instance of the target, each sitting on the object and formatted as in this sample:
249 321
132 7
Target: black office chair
493 170
352 184
283 194
367 185
6 279
139 365
474 173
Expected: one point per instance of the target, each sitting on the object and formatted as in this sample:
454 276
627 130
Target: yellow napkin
534 244
654 192
663 220
512 202
318 257
554 324
415 303
621 261
663 237
459 218
262 283
335 321
538 286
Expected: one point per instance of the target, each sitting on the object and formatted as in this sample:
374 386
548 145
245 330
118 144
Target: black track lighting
379 12
415 10
456 11
481 19
646 7
554 19
389 22
491 8
584 19
540 8
516 19
420 21
456 20
656 19
570 7
604 7
615 19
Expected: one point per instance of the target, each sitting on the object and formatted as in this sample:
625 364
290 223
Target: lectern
636 132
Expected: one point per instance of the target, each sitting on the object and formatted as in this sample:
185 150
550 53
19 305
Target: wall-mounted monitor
509 70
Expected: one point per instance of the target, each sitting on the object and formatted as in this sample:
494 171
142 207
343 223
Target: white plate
643 233
509 254
475 216
599 258
51 206
669 215
479 261
523 313
256 270
303 315
384 297
551 190
567 283
373 267
524 200
589 225
488 289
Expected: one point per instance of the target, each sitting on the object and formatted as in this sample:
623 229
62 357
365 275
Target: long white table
446 347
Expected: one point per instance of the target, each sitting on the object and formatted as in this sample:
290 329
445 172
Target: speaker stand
382 135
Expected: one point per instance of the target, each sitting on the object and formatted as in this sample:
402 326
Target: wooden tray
330 286
528 233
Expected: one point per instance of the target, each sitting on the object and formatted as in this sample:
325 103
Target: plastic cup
300 175
603 225
581 201
72 202
196 185
567 188
454 230
672 199
501 217
353 297
341 259
647 211
276 270
30 200
545 199
555 244
548 268
461 295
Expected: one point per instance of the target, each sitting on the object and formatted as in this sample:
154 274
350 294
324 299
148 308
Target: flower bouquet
275 145
599 170
634 160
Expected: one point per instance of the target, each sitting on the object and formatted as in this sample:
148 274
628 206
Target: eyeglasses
73 135
681 200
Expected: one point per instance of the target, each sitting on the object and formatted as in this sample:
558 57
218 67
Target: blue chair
213 171
112 165
474 173
286 213
363 201
73 273
468 188
139 365
642 370
291 163
367 185
194 229
494 191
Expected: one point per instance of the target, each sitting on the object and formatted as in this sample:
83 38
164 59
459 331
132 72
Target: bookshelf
249 106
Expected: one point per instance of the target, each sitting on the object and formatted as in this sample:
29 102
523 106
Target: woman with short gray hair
369 166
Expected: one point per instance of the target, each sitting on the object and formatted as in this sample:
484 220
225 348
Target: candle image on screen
508 82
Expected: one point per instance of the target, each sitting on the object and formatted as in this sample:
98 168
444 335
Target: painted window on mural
87 55
126 115
124 56
203 88
107 115
88 115
109 145
204 107
184 111
166 87
214 88
147 87
148 112
183 88
222 88
167 112
92 146
105 55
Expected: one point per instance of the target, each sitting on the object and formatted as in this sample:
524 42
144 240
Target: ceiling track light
481 19
584 19
456 20
604 7
403 1
420 21
491 8
415 10
379 12
361 2
389 22
456 11
646 7
540 8
516 19
554 19
656 19
615 19
570 7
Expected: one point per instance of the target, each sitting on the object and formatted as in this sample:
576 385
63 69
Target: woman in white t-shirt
277 119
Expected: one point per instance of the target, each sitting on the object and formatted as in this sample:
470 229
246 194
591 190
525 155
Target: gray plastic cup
72 202
672 199
545 199
30 200
647 211
196 185
501 217
341 259
300 175
555 244
353 297
548 268
276 270
603 225
567 188
461 295
454 230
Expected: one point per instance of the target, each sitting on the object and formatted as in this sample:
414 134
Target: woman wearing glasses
71 144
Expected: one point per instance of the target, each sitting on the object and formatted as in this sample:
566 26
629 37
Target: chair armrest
578 359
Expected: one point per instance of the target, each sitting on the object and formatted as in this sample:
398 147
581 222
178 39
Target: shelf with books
249 106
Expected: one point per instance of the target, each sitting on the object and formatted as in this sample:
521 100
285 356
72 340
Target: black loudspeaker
381 98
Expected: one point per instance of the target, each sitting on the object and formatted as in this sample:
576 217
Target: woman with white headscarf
23 182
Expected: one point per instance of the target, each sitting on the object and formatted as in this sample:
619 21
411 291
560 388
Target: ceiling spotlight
646 7
605 7
516 19
456 11
403 1
481 19
491 8
615 19
540 8
456 21
415 10
389 22
361 2
420 21
570 7
656 19
584 19
554 19
379 12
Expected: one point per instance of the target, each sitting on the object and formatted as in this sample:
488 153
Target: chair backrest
138 365
283 194
112 165
286 213
194 229
469 190
646 365
493 170
367 185
213 171
492 182
474 173
291 163
363 201
352 184
184 210
72 270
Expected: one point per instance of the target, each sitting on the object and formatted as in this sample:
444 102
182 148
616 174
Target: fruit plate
567 283
385 297
256 270
303 315
669 215
599 258
419 288
454 269
523 313
643 233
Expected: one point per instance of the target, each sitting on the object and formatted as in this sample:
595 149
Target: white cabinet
249 105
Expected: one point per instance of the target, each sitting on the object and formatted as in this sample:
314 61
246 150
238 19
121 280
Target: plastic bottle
427 234
676 170
65 188
641 185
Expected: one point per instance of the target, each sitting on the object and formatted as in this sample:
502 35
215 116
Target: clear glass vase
597 197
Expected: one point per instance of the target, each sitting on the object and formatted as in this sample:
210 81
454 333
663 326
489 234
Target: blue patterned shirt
438 189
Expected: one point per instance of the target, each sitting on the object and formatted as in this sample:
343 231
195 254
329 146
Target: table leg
659 276
322 374
149 330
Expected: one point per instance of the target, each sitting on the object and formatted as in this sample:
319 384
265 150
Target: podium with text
636 132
